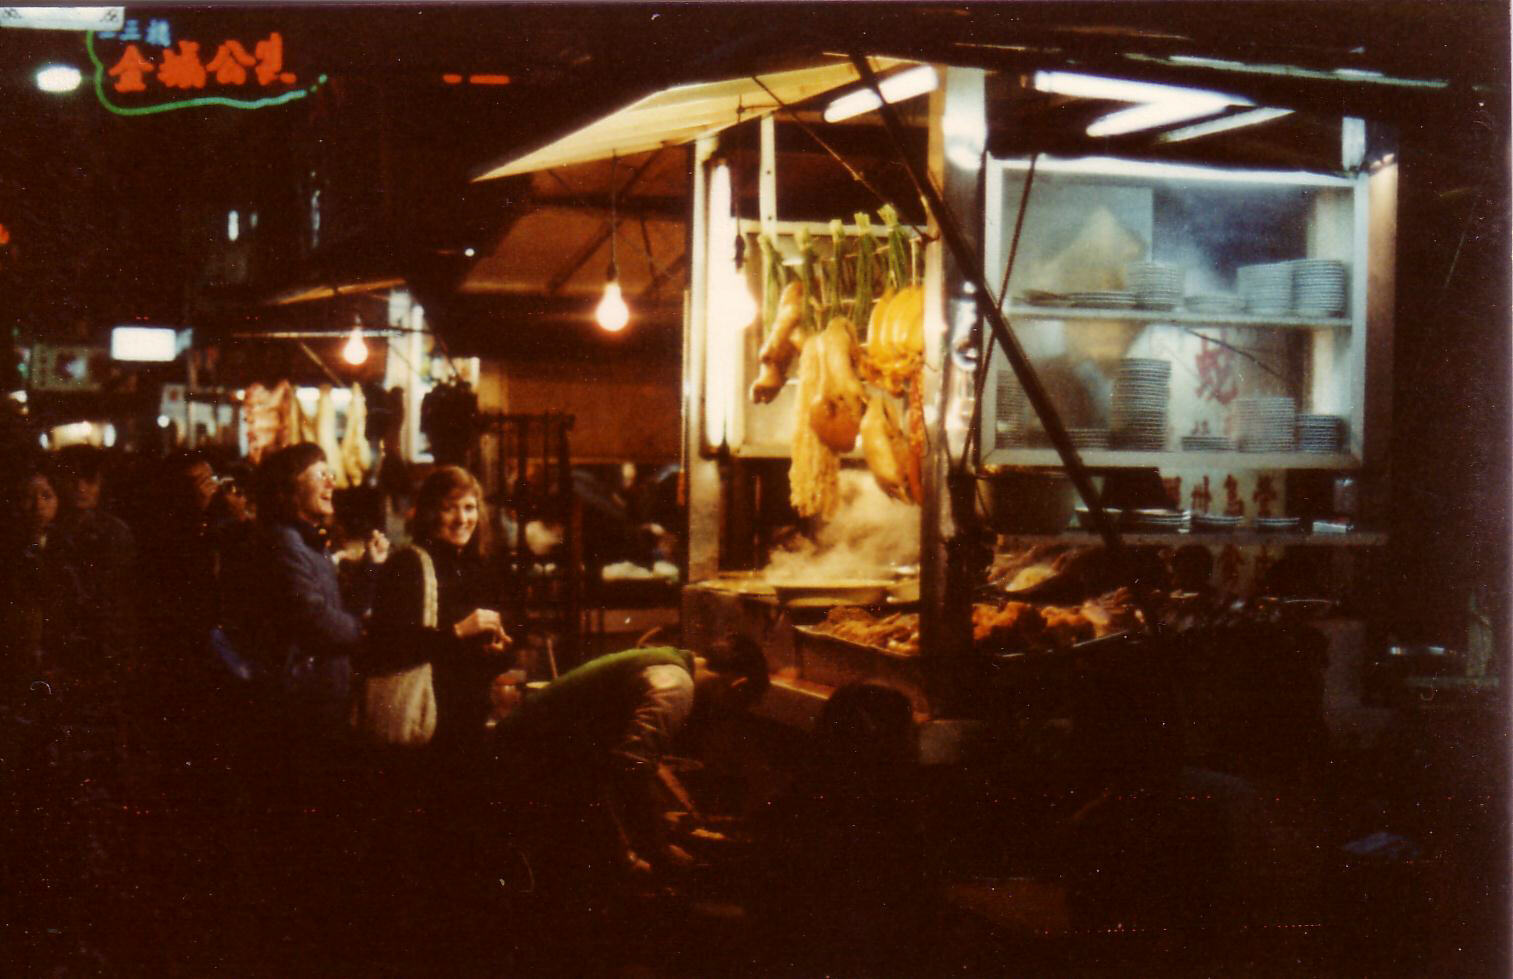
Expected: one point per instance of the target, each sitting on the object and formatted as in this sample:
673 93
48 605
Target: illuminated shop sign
147 67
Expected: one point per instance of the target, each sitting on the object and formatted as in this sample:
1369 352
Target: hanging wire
614 173
794 116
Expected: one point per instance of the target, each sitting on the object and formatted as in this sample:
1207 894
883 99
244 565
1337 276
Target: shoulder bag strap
428 608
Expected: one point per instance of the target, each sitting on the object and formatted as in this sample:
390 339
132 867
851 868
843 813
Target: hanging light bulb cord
614 172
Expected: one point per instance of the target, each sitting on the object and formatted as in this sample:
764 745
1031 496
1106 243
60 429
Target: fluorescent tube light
144 343
1121 89
1153 115
1237 121
895 88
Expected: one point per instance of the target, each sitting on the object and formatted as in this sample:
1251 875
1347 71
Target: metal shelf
1024 311
1116 459
1239 538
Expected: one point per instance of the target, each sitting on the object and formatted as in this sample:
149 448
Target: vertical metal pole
703 476
947 574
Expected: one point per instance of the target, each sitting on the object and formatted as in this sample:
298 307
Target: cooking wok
838 591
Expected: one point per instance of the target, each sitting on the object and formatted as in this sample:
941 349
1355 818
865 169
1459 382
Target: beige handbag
400 708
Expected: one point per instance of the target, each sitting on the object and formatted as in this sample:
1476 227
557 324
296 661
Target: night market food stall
964 399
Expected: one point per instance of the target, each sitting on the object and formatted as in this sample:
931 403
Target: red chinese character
1233 505
1264 561
183 69
1266 491
131 68
230 63
1229 567
1202 496
270 61
1216 373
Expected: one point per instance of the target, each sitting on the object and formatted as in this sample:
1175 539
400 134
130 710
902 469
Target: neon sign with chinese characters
133 65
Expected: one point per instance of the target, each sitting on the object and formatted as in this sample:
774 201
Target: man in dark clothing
103 550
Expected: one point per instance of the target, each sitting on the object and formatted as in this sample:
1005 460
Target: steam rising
866 538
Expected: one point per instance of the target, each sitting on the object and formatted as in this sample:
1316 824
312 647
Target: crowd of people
195 610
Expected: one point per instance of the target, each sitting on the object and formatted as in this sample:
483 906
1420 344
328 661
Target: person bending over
615 717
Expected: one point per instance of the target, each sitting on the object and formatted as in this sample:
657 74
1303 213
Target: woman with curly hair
457 628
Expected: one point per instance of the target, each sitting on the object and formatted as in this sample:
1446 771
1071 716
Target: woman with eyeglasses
309 630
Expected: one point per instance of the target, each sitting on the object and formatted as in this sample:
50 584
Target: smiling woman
437 606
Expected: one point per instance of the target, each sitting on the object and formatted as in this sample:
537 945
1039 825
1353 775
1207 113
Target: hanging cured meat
885 447
814 470
262 413
781 345
325 436
356 454
835 409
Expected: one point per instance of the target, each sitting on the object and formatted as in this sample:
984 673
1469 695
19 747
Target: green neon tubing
148 110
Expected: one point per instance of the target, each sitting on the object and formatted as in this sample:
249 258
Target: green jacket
588 706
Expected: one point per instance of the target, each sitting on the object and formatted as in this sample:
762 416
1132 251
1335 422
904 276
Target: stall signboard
64 18
67 368
156 64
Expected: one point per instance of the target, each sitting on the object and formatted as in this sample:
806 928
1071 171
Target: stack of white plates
1215 521
1276 523
1318 287
1012 414
1141 392
1266 288
1207 443
1216 303
1266 424
1321 433
1160 521
1089 438
1156 284
1104 299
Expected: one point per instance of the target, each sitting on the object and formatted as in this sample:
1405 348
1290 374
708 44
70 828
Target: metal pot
1028 501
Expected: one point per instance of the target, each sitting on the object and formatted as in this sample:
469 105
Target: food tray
832 661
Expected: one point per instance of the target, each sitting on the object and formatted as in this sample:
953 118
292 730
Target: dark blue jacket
308 632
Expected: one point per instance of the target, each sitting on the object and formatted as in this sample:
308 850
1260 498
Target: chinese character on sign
1202 496
230 63
1229 568
1264 562
1233 505
130 70
158 33
270 61
183 69
1266 492
1215 366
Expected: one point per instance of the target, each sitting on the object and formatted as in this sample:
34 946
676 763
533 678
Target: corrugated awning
680 115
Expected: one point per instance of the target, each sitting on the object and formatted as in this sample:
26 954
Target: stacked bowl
1141 395
1266 424
1012 415
1318 287
1266 288
1321 433
1156 285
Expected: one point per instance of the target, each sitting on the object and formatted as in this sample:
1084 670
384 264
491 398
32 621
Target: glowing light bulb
612 313
355 351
